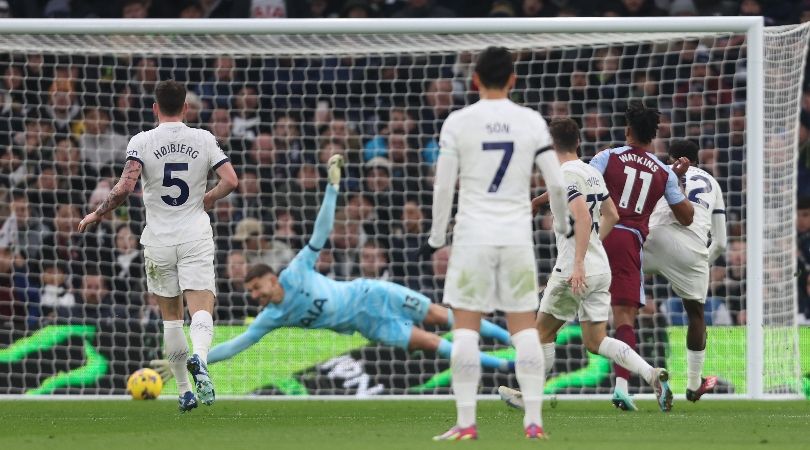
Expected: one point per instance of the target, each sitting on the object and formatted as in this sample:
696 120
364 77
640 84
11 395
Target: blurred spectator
193 116
216 90
55 291
99 145
803 163
134 9
803 253
93 302
374 261
27 232
406 239
358 9
639 8
13 171
128 266
245 118
538 8
400 123
192 10
142 88
423 9
77 176
232 302
247 202
258 248
219 124
287 140
346 238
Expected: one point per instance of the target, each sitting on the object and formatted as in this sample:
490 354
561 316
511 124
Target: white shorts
485 278
591 306
188 266
680 257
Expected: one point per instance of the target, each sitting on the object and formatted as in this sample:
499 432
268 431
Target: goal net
75 314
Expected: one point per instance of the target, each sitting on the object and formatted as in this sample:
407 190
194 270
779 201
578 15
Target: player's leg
623 248
466 372
696 384
516 295
161 280
469 288
441 316
197 279
424 340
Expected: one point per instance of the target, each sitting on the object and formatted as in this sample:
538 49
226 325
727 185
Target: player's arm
444 186
125 185
228 182
539 201
719 234
681 207
252 335
549 166
609 217
582 233
325 220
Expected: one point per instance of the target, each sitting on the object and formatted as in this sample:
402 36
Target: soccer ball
144 384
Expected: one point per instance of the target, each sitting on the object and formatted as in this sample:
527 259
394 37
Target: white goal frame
752 27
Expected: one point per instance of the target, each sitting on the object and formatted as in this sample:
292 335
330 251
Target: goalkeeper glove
162 367
334 167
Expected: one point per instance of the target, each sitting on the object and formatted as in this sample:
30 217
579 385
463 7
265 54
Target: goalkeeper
381 311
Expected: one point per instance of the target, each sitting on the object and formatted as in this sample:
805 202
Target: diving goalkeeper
381 311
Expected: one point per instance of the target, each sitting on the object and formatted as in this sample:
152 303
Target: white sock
530 374
694 368
623 355
549 353
176 352
465 365
202 332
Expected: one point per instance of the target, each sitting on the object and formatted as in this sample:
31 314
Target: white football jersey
583 180
176 160
496 143
707 198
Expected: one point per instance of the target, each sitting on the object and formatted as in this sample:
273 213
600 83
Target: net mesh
76 317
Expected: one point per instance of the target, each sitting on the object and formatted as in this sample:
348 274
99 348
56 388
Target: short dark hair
682 147
170 97
565 134
642 121
257 271
494 67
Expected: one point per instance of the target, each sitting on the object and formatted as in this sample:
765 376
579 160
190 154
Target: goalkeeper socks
466 371
530 374
626 334
202 332
621 354
176 352
445 350
694 368
490 330
549 352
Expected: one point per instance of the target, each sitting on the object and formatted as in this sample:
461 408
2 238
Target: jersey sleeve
573 185
673 192
216 156
600 161
543 140
719 201
448 142
134 149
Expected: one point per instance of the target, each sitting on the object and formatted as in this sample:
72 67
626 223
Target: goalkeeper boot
663 393
535 432
334 166
205 387
623 401
706 385
187 402
458 434
512 397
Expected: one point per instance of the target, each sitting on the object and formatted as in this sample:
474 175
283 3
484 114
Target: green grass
106 425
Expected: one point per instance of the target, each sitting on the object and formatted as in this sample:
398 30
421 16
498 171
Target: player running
683 254
580 283
491 146
379 310
636 180
174 161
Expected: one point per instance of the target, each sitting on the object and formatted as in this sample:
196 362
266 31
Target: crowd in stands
65 121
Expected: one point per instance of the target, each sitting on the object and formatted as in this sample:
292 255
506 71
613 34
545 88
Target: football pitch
337 425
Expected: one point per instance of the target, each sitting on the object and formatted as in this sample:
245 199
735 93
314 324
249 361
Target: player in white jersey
173 161
491 147
580 283
684 254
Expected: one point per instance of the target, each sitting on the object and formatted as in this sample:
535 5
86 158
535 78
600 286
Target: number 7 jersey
636 180
496 143
176 160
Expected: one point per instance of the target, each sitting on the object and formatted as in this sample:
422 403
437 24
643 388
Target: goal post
709 75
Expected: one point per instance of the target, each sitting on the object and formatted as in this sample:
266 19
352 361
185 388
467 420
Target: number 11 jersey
636 180
176 160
